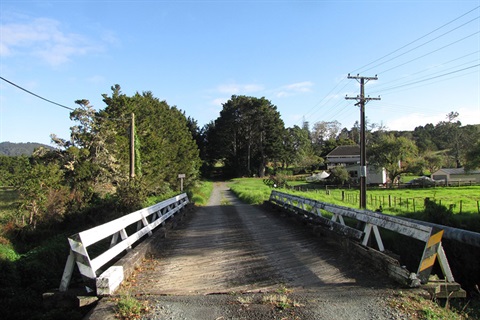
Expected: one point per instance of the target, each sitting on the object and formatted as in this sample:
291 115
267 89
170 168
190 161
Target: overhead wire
36 95
418 39
53 102
429 76
408 87
429 53
434 67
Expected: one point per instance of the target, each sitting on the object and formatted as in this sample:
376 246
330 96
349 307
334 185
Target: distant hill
19 149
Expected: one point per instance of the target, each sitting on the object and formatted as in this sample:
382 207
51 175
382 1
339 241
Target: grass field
406 202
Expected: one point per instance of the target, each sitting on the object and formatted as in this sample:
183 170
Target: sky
196 54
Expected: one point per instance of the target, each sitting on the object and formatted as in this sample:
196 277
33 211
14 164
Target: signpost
181 177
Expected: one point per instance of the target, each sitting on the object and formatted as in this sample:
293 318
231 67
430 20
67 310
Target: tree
448 135
393 154
248 134
473 157
423 136
166 143
10 167
433 161
324 130
298 150
339 175
87 157
41 192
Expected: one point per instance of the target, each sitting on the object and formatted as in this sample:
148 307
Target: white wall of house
374 174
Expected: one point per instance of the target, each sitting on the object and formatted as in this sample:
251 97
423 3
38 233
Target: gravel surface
229 260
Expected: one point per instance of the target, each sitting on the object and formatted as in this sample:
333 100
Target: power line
423 85
412 42
430 68
56 103
431 78
36 95
311 112
429 53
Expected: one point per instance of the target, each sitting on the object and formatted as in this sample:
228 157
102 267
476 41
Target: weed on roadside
280 301
129 307
418 307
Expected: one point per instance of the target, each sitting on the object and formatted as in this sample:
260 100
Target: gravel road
230 260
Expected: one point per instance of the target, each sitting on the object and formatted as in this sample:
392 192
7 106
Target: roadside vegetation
83 182
88 178
200 193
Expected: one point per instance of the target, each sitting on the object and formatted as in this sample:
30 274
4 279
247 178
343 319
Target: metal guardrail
430 235
146 220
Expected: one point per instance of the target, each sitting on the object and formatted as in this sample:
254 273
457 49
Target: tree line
90 170
248 138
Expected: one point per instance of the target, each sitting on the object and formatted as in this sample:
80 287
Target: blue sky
197 54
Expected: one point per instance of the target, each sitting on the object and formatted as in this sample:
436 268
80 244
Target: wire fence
399 203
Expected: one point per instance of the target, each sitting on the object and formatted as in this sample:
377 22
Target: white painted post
181 177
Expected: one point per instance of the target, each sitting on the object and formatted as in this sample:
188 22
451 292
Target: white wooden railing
429 235
116 232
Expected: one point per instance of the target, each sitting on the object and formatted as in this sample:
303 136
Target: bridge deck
237 247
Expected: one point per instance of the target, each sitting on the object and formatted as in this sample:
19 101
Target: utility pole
363 154
132 147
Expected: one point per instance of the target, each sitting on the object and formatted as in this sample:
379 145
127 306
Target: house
349 157
454 175
343 156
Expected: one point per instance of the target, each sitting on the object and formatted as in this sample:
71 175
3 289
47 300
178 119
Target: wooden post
132 147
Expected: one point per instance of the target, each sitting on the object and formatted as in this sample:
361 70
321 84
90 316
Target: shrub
437 213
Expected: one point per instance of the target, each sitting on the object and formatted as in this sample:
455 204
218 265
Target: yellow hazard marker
430 255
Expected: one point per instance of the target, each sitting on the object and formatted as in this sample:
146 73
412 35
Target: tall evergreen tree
166 144
248 134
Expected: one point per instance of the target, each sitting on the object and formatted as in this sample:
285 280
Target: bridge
230 260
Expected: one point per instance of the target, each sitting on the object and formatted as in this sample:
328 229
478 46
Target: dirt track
228 259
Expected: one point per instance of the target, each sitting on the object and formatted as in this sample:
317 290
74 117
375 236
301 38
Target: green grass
250 190
201 193
407 202
129 307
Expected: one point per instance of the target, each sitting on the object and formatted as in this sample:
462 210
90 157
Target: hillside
18 149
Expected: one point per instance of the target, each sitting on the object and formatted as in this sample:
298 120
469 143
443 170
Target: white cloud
412 120
234 88
219 101
44 39
469 115
294 88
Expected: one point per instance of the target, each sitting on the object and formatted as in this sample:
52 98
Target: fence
396 203
94 248
408 204
430 235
